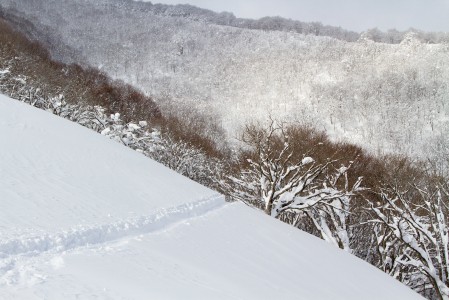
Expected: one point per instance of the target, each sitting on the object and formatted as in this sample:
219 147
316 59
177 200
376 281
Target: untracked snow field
83 217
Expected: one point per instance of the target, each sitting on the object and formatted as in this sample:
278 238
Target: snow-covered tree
278 181
412 235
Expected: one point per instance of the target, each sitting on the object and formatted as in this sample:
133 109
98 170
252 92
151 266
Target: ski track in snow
30 246
69 229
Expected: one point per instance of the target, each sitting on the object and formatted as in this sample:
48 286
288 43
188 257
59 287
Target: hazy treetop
358 15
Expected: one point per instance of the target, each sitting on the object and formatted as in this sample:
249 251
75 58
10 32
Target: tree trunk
269 207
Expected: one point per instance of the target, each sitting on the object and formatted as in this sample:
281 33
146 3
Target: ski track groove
100 234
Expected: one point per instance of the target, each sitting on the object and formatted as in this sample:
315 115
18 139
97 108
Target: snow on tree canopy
307 160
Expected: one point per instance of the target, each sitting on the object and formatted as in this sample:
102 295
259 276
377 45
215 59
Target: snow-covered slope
82 217
65 173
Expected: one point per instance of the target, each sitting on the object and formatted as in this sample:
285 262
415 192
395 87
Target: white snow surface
83 217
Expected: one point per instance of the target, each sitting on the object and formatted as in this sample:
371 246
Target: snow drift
83 217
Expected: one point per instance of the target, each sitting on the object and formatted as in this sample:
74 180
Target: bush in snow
176 154
412 235
276 180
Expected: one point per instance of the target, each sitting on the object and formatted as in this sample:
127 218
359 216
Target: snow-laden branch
277 182
417 221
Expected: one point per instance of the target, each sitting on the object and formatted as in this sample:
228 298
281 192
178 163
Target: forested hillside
388 98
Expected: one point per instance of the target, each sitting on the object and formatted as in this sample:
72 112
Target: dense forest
235 75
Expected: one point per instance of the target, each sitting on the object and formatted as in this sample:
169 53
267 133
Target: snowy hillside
384 97
83 217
